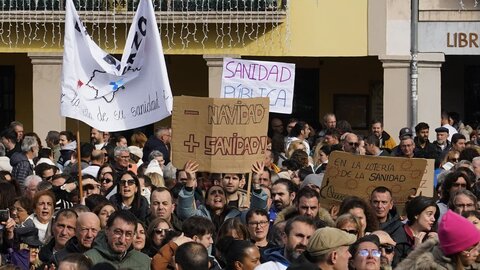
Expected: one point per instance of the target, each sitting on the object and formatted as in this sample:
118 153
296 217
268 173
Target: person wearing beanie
422 214
457 247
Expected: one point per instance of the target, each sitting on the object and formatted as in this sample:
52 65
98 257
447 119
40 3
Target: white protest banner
250 79
113 95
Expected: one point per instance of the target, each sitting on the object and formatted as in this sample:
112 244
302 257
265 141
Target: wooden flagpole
79 162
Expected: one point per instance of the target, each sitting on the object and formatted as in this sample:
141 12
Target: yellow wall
312 28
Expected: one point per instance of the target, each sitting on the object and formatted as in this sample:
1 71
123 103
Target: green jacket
101 253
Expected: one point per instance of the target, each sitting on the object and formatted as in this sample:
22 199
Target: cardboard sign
426 186
223 135
250 79
353 175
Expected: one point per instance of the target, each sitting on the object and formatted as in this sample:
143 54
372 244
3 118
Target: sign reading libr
223 135
249 79
458 38
355 175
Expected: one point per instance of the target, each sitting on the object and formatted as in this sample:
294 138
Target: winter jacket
140 212
21 167
185 207
72 246
429 256
66 153
292 211
153 143
102 253
387 142
275 260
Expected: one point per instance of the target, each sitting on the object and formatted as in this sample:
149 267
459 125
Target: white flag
112 95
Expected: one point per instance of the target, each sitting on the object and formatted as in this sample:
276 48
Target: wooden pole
79 162
249 188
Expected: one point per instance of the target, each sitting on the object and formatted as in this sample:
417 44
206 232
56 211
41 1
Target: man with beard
423 147
283 194
306 203
297 234
386 141
88 226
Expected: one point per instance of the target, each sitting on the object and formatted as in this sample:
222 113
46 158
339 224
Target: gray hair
28 143
154 154
119 149
32 178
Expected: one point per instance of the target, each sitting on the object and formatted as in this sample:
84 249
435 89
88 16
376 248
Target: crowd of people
120 203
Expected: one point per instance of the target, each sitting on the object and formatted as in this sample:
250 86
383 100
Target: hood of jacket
427 256
276 255
291 211
70 146
17 158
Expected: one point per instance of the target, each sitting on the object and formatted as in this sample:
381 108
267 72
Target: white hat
154 167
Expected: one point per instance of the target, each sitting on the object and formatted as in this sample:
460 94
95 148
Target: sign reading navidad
355 175
250 79
224 135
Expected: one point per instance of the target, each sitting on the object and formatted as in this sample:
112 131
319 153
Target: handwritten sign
353 175
426 186
250 79
222 135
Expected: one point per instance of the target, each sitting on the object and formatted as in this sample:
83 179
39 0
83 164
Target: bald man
88 226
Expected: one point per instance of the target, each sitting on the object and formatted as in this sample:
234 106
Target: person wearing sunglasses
453 182
156 232
348 223
106 177
350 143
129 196
366 253
387 247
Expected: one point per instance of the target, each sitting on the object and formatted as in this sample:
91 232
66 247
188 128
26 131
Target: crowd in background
138 211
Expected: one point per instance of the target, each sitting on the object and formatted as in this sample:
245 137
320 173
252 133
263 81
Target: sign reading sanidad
223 135
355 175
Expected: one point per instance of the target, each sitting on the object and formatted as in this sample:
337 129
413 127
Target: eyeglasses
453 160
162 231
120 233
374 253
48 178
465 205
354 232
258 223
388 248
354 144
463 185
128 182
106 180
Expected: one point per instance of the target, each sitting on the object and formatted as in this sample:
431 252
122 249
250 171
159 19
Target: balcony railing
159 5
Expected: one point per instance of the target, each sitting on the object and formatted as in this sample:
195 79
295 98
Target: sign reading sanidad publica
249 79
356 175
224 135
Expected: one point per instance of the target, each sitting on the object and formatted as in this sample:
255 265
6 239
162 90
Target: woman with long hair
129 196
362 211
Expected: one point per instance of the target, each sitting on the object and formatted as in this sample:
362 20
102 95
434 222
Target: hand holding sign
190 168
